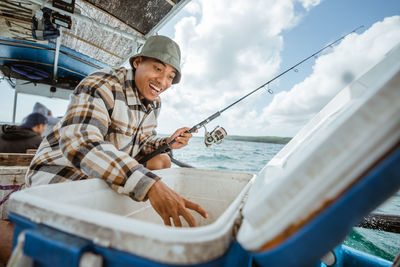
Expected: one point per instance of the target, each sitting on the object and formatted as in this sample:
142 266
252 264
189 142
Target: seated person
51 121
17 139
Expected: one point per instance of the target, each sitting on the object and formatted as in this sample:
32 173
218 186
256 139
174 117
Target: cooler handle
55 248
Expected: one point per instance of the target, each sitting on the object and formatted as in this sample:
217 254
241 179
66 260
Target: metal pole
57 53
15 105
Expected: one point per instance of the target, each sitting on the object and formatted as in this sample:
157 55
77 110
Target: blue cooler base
50 247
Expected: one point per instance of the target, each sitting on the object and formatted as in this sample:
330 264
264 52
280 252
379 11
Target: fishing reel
215 136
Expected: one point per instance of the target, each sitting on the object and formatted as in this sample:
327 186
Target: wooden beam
170 2
90 43
15 159
16 20
383 222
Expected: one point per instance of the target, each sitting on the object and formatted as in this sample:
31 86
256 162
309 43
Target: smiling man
110 125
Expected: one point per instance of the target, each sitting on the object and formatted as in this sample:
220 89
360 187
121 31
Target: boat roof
101 34
106 30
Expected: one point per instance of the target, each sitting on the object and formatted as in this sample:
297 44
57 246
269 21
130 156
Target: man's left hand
181 137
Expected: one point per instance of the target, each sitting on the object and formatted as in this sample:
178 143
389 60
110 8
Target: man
51 121
110 125
17 139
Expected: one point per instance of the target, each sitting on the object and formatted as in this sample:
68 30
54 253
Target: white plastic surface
90 209
331 152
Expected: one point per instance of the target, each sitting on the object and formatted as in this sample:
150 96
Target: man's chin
151 98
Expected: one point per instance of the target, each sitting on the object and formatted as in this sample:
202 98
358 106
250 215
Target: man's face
39 129
152 77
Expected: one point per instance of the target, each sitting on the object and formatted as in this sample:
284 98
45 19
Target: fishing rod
218 133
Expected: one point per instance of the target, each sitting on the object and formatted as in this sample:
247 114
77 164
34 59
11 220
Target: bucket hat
163 49
34 119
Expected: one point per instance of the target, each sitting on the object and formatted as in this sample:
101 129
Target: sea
252 156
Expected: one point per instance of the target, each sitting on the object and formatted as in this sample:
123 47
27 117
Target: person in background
17 139
51 121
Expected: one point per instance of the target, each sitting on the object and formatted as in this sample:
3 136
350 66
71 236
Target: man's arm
82 141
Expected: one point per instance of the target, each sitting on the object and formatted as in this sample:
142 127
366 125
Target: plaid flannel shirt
103 134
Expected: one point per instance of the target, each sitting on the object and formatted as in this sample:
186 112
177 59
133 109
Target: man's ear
136 61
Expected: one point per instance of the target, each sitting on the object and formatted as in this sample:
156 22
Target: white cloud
308 4
193 8
332 72
223 57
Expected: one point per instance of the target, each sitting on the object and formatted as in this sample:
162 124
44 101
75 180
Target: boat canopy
92 34
106 30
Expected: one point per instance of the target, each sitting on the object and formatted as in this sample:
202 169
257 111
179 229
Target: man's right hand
168 204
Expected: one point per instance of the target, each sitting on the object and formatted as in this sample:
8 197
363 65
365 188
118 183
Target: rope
13 189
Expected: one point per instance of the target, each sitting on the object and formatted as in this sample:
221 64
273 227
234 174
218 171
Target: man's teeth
155 88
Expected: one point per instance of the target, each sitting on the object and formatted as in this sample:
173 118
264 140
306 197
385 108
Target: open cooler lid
326 157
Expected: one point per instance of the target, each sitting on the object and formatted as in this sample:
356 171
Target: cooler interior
214 191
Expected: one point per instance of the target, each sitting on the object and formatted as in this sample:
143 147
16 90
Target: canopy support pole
57 53
15 105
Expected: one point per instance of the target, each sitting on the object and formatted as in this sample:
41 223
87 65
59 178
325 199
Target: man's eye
157 68
171 77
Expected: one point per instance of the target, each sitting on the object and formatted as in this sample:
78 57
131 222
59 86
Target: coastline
261 139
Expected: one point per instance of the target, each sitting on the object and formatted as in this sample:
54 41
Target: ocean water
252 156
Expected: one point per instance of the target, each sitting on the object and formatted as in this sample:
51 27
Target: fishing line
218 133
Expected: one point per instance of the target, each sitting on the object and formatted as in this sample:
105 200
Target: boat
270 219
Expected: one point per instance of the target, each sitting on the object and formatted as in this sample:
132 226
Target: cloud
332 72
222 57
308 4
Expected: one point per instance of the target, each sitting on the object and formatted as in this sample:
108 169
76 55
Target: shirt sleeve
82 141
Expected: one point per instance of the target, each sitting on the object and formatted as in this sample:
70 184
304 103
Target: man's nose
163 81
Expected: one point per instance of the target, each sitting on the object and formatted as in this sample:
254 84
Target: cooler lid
326 157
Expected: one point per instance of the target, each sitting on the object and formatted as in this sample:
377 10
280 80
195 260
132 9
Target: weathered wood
383 222
170 2
90 43
31 151
15 159
12 178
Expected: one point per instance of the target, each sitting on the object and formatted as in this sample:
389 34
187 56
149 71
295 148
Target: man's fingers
177 221
167 221
195 207
189 218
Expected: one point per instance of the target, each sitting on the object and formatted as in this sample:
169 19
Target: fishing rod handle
154 153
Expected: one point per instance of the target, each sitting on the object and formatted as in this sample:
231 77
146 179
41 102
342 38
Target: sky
229 48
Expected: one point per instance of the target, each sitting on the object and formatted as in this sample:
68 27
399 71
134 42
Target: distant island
262 139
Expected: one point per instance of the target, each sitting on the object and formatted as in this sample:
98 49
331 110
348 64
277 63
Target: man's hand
181 137
168 204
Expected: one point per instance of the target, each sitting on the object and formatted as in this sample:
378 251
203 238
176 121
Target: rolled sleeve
138 184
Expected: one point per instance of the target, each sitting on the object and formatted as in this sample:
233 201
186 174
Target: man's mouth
155 89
